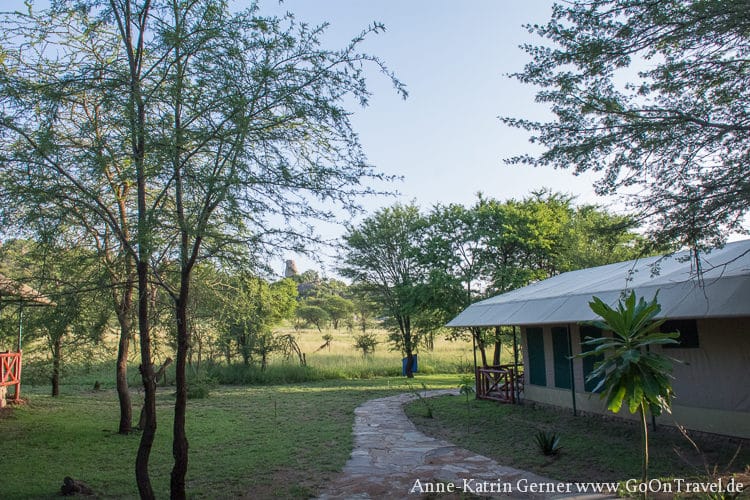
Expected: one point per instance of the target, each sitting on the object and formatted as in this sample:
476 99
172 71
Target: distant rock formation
291 269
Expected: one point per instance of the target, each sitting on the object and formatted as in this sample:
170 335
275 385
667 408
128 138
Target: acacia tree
382 258
77 318
313 315
257 129
73 132
653 95
230 124
59 172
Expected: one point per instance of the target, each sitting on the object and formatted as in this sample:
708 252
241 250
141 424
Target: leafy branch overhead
652 95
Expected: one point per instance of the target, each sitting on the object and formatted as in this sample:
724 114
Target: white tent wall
710 383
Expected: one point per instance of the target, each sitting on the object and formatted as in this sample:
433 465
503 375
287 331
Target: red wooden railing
502 383
10 371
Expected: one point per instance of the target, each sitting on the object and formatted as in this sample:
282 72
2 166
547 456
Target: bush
199 385
548 443
366 343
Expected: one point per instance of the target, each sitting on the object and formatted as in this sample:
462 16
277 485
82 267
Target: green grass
254 442
593 448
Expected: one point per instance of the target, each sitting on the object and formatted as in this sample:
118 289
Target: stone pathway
392 459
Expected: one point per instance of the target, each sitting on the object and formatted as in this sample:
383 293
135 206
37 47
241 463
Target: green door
561 356
537 370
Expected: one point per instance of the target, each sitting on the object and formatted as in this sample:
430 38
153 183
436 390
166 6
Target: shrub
365 342
199 385
548 443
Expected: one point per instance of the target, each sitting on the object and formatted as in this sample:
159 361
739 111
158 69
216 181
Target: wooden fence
10 373
502 383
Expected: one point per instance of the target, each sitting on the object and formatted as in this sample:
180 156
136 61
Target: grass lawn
593 448
251 442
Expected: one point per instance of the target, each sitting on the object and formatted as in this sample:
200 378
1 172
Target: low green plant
548 443
467 387
423 400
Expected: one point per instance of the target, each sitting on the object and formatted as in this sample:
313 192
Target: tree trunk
409 364
136 113
200 352
496 355
480 345
244 350
179 437
121 375
56 359
149 387
405 326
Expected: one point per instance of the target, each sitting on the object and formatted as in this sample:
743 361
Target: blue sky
454 57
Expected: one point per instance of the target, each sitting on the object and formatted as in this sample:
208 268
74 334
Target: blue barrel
403 365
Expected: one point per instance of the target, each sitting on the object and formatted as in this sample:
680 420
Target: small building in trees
703 295
19 295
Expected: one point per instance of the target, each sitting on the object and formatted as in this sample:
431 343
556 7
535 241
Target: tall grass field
340 359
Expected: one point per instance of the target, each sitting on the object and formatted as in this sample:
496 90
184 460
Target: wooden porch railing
502 383
10 372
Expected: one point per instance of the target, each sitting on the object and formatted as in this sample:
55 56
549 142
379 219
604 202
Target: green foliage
467 387
653 96
251 307
382 257
366 343
337 307
200 384
80 313
313 315
630 373
493 247
548 443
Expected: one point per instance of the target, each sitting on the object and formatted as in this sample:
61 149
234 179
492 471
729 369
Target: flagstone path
392 459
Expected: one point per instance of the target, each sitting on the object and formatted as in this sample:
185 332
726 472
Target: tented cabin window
537 369
561 356
688 329
589 361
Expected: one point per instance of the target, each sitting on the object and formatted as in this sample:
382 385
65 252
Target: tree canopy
424 268
653 95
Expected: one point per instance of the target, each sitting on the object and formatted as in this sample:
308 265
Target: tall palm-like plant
630 373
